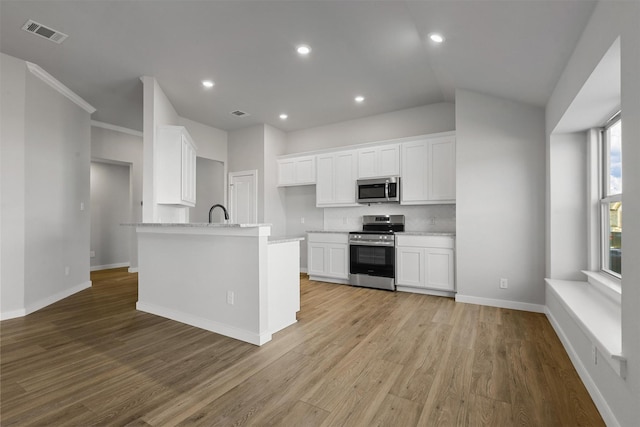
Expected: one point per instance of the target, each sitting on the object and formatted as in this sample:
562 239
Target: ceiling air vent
239 113
42 31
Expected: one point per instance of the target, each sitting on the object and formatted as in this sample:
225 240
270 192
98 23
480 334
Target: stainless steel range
372 252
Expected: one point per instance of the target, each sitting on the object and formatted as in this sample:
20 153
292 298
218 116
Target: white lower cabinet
328 257
425 262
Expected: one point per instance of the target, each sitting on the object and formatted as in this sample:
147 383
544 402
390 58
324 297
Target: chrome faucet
226 214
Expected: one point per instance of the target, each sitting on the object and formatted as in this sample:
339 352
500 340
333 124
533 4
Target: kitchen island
231 279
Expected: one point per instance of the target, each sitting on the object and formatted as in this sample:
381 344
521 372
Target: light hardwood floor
356 357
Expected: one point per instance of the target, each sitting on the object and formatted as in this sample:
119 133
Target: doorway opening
110 208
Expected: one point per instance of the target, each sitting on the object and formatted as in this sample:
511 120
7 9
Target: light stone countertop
427 233
331 231
284 239
405 233
196 225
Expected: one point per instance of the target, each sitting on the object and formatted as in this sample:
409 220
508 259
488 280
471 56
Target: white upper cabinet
297 171
336 179
175 166
379 161
428 171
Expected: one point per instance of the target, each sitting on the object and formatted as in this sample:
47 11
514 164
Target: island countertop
284 239
197 225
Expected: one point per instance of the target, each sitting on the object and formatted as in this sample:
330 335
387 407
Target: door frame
254 174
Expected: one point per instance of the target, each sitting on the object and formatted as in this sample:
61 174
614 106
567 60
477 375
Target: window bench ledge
599 318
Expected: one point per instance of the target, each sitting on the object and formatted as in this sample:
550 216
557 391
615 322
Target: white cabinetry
428 171
336 179
379 161
175 166
328 257
297 171
425 262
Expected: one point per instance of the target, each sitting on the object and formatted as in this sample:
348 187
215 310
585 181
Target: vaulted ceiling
381 50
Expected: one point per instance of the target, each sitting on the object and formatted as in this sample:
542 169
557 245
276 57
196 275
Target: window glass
613 260
611 200
614 155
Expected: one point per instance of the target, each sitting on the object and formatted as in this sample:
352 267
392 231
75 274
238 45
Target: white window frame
605 198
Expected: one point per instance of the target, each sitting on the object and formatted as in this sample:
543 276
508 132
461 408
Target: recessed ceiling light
359 98
437 38
208 84
303 50
283 116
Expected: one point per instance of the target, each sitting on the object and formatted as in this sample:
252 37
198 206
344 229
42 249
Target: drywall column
617 398
568 243
158 111
500 192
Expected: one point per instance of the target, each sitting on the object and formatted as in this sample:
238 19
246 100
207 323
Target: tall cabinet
175 166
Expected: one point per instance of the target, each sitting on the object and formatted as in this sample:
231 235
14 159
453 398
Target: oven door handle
389 244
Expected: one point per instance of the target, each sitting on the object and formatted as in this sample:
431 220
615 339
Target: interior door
243 197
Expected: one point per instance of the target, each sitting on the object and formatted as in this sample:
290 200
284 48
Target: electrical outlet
432 221
92 254
67 269
81 206
301 220
504 283
230 297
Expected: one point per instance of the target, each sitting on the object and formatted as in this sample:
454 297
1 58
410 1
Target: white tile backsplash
434 218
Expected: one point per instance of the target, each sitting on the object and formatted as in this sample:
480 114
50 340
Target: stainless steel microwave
378 190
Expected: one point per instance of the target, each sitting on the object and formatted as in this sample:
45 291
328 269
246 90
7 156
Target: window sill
608 285
598 317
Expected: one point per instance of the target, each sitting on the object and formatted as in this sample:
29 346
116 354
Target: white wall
302 215
500 189
426 119
568 252
609 21
12 185
45 181
246 152
210 190
110 208
274 197
57 155
211 142
123 146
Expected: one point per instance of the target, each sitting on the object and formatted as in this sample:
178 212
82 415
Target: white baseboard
514 305
133 269
56 297
599 400
303 270
209 325
425 291
109 266
13 314
329 280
